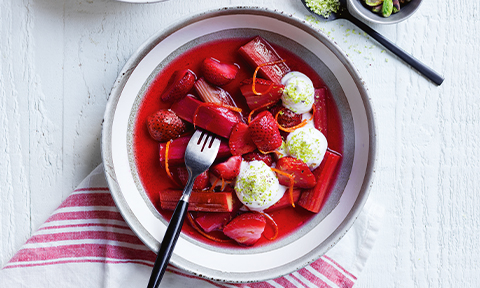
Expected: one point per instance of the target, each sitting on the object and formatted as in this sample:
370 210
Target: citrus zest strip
204 234
274 224
290 187
255 77
224 184
214 184
293 128
268 152
258 108
233 108
167 147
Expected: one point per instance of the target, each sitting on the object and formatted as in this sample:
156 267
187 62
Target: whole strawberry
264 132
218 73
164 125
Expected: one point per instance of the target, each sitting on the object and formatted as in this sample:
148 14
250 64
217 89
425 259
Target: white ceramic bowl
351 189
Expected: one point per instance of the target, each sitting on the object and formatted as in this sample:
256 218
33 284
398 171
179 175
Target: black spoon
409 59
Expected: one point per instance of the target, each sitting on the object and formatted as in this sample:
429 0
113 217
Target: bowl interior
351 189
358 9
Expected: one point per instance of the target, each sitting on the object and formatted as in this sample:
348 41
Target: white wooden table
59 59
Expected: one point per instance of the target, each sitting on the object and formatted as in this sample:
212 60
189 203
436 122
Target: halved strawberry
181 174
261 85
252 156
218 73
246 228
240 141
286 117
214 94
229 169
264 132
180 83
164 125
303 177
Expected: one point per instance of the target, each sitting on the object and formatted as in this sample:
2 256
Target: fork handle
168 243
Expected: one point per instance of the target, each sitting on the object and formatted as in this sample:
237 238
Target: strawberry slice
286 117
312 199
240 141
320 115
176 151
246 228
264 132
257 52
211 221
214 94
229 169
252 156
202 181
164 125
180 83
261 85
303 177
199 200
218 73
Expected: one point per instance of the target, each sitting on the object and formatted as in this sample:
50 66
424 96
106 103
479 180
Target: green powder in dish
323 7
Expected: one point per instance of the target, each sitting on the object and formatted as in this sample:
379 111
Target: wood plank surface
59 60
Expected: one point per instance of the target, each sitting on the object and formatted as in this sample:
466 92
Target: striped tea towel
86 243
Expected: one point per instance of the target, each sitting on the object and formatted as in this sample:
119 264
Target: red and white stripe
87 227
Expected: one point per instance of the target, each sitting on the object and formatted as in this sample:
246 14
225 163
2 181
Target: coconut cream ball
307 144
299 93
257 186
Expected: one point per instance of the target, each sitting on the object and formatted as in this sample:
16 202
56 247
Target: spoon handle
409 59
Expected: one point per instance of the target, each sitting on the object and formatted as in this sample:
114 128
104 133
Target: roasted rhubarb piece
176 151
199 200
264 132
261 86
180 83
165 125
320 111
229 169
246 228
257 52
240 141
216 119
312 199
213 94
218 73
302 176
285 201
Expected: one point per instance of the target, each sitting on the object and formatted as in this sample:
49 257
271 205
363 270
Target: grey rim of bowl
135 224
357 9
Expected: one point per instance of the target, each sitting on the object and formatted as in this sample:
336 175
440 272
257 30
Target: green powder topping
255 185
323 7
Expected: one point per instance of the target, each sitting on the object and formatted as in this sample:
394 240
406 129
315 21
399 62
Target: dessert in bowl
260 145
